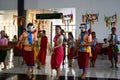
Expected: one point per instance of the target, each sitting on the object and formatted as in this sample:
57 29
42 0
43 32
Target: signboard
49 16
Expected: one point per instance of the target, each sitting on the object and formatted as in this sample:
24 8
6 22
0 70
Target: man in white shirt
104 47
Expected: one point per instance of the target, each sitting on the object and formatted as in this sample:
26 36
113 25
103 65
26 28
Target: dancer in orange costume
28 39
84 49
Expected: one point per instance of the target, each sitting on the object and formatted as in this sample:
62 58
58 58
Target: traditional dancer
43 49
28 39
94 49
113 48
71 45
64 45
58 53
39 35
84 49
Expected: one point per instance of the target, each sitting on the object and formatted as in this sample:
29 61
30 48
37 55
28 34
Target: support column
21 16
21 22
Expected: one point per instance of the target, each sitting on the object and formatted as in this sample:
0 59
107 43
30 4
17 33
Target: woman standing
43 49
3 51
70 48
58 53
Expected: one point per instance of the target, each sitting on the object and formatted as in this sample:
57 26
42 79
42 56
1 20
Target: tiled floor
16 71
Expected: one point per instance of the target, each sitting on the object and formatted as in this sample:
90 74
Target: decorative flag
69 16
39 25
20 20
14 22
32 21
111 21
14 18
90 18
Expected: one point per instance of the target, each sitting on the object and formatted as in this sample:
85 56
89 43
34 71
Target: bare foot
4 68
83 77
56 78
28 73
31 71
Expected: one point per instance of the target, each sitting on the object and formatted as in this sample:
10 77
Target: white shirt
105 45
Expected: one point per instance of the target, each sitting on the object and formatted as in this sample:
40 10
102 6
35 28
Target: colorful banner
20 20
111 21
90 18
68 17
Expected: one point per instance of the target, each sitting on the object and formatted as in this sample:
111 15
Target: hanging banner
111 21
20 20
90 18
68 17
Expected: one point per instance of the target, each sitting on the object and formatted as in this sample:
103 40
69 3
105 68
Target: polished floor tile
16 71
11 76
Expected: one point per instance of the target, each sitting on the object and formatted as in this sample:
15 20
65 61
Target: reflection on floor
11 76
16 71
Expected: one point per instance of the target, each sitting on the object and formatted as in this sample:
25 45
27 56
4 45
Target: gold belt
27 45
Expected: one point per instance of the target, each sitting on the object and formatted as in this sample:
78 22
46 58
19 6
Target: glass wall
8 22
